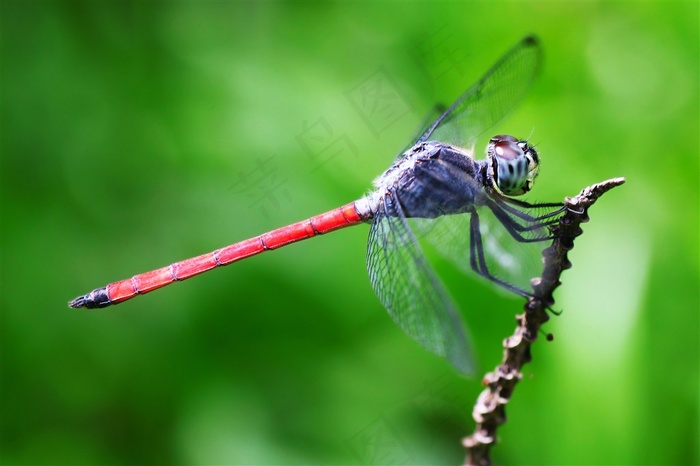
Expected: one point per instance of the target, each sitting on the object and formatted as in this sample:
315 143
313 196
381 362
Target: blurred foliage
136 134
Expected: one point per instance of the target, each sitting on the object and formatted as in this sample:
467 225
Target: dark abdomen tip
95 299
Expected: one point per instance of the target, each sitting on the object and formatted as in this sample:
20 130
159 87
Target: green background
135 135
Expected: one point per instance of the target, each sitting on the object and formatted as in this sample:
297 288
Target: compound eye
507 150
514 165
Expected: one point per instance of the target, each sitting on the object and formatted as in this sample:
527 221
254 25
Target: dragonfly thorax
512 165
429 180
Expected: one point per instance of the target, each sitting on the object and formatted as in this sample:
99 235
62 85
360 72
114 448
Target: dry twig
489 410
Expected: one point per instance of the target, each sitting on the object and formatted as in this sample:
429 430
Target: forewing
409 289
490 99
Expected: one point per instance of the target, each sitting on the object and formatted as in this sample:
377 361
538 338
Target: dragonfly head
511 165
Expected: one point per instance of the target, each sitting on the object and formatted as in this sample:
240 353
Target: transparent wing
512 261
427 121
409 289
490 99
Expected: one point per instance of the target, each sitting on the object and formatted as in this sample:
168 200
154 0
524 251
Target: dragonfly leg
536 205
477 260
504 201
527 205
516 229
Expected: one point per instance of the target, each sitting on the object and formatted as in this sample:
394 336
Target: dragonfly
434 188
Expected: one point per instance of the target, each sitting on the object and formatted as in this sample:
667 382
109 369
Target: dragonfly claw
78 302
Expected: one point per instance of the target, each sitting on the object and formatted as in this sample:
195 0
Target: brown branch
489 410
